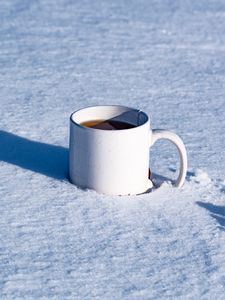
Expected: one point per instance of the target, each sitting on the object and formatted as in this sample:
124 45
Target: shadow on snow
46 159
216 211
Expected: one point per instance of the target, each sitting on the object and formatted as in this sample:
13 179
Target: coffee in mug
109 124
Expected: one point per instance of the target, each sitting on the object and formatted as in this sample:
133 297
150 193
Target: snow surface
59 242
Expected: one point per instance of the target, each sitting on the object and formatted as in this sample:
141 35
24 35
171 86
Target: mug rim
106 130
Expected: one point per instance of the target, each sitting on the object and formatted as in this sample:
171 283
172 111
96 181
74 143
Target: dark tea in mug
107 124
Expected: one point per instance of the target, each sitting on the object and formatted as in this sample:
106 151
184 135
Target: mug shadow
46 159
158 180
216 211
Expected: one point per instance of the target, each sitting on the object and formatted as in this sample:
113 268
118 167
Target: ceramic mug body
113 162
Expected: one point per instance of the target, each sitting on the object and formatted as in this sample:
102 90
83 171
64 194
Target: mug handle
176 140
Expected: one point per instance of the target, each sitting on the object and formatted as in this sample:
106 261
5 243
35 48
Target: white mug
116 162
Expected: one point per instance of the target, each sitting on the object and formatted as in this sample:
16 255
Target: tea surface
107 124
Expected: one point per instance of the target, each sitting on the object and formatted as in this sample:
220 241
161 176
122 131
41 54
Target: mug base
147 189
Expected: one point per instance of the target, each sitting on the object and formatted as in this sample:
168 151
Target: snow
164 57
